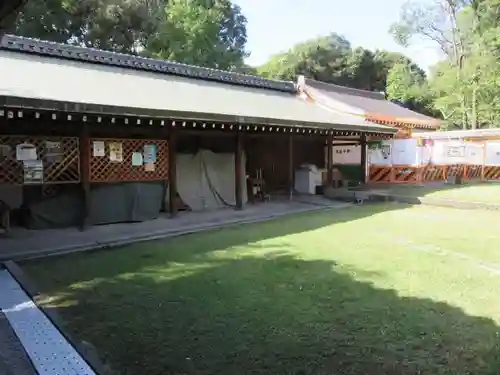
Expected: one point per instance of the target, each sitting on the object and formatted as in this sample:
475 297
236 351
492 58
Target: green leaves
212 36
208 33
331 59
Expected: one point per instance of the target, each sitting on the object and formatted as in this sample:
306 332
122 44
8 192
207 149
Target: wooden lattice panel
103 169
66 169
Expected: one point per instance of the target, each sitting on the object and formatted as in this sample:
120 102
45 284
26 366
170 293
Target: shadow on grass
176 307
185 247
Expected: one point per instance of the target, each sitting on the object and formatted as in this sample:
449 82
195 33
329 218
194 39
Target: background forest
461 89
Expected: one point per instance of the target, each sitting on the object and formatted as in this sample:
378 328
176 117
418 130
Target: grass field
480 193
382 289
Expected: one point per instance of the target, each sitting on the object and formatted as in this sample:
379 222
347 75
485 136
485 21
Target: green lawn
382 289
480 192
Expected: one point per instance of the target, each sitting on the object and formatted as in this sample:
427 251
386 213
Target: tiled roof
34 46
374 105
48 81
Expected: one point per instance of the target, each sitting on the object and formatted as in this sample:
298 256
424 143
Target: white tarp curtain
492 153
206 180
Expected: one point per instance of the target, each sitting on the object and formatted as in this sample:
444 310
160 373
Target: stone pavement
13 358
25 244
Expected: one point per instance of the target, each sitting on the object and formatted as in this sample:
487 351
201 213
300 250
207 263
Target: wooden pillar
172 172
363 158
290 167
84 143
329 161
238 171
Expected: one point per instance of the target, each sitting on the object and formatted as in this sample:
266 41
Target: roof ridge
93 55
348 90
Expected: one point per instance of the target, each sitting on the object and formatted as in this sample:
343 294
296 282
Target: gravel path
13 358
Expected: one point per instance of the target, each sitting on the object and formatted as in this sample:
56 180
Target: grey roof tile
368 101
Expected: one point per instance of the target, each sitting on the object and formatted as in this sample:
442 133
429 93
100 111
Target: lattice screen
104 169
57 169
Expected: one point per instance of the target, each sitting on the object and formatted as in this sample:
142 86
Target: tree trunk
474 109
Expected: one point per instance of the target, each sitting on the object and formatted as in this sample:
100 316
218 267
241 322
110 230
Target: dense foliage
462 88
204 32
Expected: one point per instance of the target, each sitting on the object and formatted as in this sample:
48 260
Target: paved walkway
33 344
24 244
13 357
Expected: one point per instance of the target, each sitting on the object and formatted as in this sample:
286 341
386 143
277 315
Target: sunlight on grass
480 192
389 289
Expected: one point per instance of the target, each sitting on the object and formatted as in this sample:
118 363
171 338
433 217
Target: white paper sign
99 149
136 159
115 152
25 151
33 171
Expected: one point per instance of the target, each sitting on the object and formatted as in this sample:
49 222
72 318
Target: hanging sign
33 172
386 151
149 154
99 149
136 159
53 152
26 151
455 151
115 152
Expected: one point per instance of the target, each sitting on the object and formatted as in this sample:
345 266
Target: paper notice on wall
26 151
149 167
136 159
98 149
33 172
115 152
149 154
53 152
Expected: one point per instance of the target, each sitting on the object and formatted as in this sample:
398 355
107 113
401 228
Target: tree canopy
464 85
211 33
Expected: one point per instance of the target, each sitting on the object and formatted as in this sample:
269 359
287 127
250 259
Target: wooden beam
363 157
84 143
346 144
290 167
172 173
329 161
238 171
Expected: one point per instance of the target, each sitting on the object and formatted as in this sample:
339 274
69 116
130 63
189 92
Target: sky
276 25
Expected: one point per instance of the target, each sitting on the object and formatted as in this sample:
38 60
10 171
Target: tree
321 58
407 85
331 59
115 25
438 22
211 34
9 10
384 61
403 81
